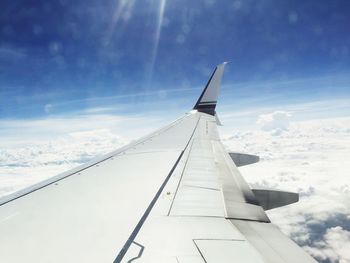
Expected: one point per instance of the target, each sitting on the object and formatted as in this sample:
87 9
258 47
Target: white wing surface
173 196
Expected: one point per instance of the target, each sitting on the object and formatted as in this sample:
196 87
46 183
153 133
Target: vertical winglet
207 100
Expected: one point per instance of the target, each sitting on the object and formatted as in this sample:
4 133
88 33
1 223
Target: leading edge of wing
27 190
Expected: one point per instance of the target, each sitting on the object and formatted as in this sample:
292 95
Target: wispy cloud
9 53
243 119
22 131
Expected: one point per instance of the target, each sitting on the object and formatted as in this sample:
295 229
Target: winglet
207 100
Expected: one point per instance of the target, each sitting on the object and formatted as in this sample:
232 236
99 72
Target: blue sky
154 56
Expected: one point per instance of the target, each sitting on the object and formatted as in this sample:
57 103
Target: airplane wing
175 195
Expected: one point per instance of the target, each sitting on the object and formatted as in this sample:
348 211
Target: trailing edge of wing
207 101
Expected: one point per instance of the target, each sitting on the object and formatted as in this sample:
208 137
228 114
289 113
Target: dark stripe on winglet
207 108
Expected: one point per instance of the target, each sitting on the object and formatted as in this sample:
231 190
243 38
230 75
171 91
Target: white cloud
335 246
278 120
238 117
339 240
309 157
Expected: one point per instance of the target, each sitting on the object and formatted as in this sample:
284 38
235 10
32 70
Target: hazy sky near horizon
131 57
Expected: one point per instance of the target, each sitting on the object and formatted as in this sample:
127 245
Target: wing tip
207 101
224 63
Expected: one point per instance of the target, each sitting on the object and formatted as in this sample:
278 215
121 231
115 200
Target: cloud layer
309 157
28 164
